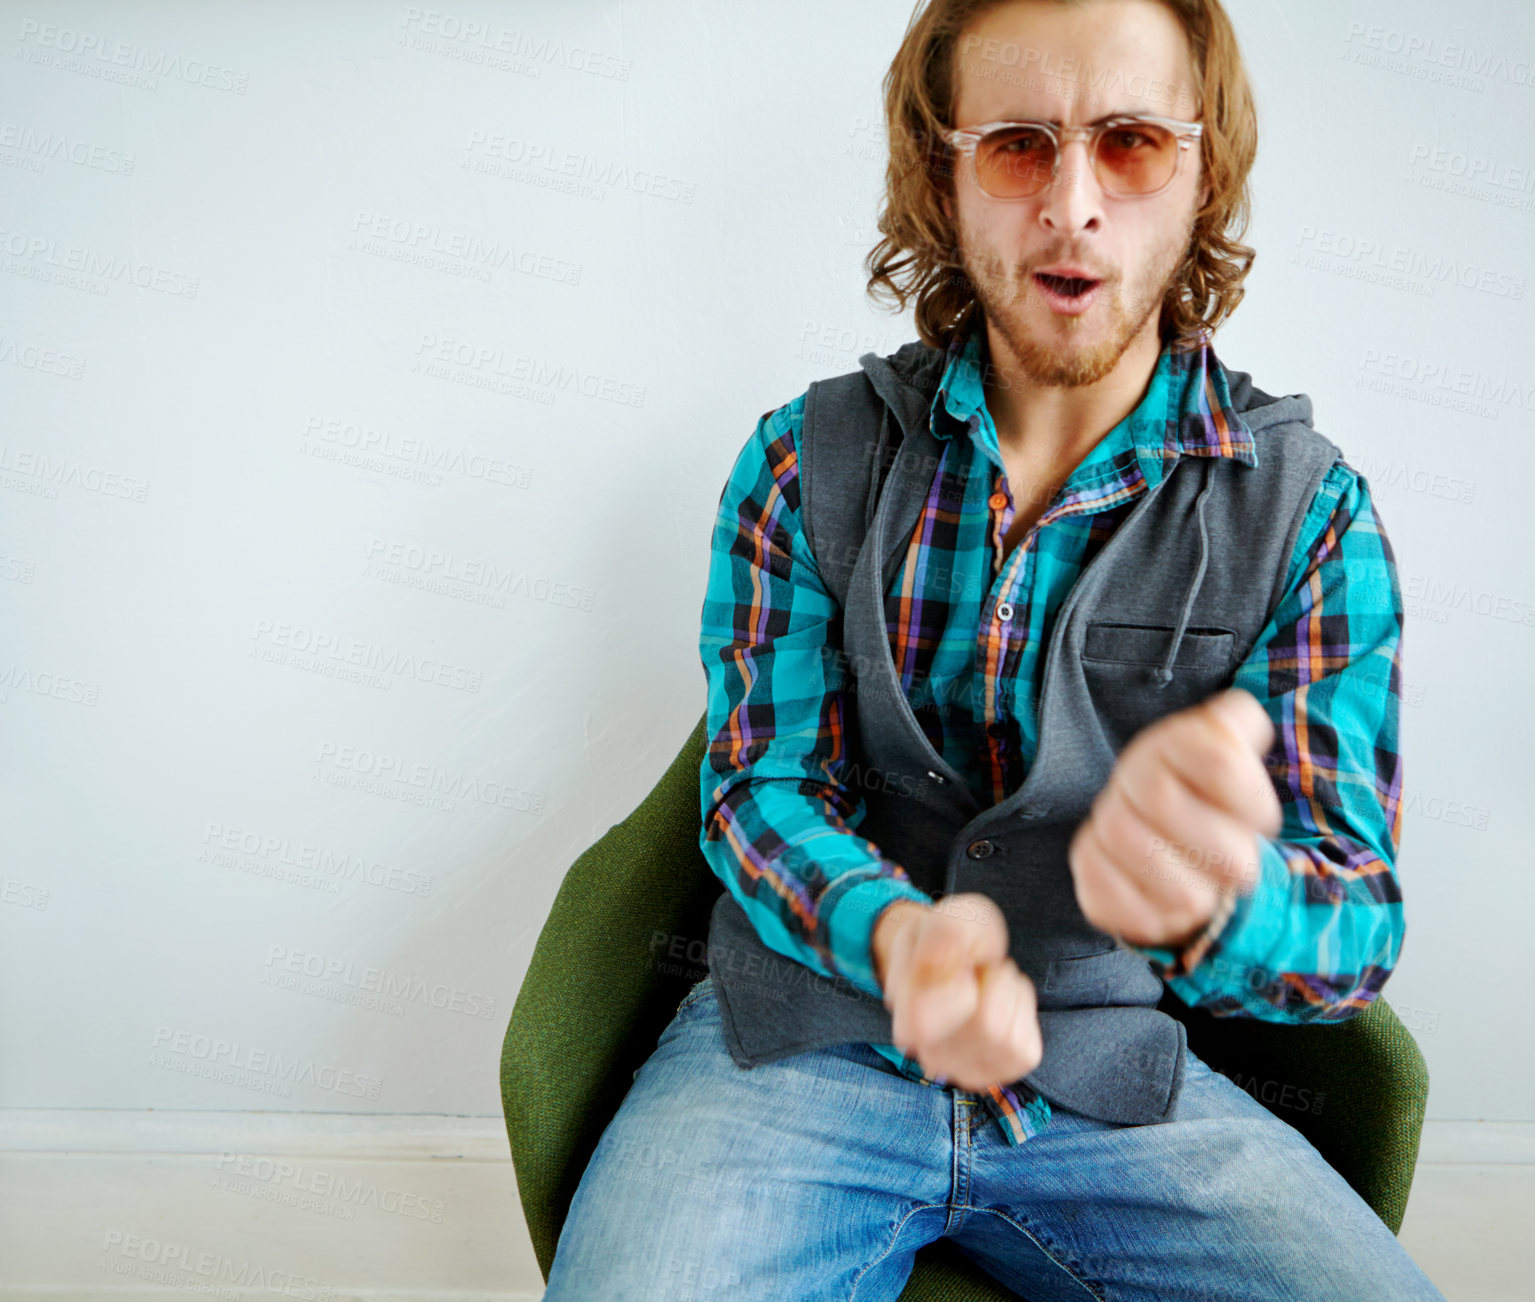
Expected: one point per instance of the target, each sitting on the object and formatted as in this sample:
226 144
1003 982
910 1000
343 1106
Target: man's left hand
1177 824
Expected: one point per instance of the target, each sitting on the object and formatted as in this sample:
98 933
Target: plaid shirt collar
1186 411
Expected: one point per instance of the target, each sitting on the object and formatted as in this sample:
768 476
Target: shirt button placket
999 524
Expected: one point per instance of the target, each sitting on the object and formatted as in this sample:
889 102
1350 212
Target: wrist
891 918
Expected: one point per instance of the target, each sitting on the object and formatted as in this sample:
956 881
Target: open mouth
1066 286
1067 295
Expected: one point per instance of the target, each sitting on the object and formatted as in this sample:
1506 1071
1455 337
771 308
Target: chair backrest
625 941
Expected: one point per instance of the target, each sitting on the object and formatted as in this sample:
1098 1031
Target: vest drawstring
1164 675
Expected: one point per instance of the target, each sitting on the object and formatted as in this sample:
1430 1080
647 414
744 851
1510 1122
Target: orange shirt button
997 501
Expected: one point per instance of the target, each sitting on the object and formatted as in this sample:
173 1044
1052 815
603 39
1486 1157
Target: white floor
98 1205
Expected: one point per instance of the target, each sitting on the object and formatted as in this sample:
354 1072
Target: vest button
937 777
980 849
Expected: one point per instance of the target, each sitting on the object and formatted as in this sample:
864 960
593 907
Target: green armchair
625 941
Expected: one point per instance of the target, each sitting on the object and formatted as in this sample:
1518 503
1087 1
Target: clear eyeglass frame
967 139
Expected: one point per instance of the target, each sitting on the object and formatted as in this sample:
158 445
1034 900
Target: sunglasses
1132 156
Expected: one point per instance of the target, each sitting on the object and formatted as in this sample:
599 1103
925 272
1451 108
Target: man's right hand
958 1003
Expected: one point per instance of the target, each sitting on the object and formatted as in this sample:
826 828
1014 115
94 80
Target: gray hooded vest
1159 620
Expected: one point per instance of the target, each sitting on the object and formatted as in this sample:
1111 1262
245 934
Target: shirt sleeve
779 822
1322 929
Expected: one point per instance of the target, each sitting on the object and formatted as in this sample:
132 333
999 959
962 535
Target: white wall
323 225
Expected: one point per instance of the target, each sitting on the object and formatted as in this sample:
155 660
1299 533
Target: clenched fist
1177 824
958 1004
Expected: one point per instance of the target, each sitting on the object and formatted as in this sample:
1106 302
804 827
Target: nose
1075 201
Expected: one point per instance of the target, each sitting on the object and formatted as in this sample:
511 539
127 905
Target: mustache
1035 268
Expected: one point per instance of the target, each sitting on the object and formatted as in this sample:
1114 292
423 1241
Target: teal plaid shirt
1320 933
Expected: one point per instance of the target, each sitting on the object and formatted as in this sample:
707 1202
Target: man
971 818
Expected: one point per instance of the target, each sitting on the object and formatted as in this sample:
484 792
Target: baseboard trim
118 1206
1477 1143
404 1137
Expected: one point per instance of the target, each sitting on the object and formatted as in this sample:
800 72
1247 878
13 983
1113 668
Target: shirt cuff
848 916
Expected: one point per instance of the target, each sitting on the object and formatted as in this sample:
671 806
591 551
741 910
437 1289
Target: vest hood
1260 410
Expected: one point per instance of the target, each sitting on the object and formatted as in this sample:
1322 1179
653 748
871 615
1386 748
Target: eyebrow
1057 122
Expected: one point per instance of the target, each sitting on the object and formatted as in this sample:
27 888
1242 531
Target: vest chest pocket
1120 660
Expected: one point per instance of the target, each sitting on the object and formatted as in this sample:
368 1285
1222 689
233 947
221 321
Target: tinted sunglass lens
1015 162
1137 158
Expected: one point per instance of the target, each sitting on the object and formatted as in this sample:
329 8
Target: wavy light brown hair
916 258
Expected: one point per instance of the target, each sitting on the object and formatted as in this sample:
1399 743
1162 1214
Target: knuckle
1028 1044
1163 787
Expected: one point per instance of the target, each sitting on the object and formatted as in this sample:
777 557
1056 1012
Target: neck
1052 425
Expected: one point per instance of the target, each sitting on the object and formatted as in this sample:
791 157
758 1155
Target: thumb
940 954
1242 714
952 942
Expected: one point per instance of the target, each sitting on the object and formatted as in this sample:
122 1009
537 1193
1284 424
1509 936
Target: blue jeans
821 1174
